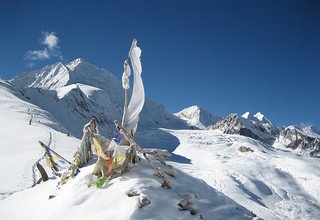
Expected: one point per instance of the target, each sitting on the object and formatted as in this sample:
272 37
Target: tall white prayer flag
131 114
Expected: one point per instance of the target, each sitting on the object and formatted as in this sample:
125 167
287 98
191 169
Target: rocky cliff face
298 139
234 124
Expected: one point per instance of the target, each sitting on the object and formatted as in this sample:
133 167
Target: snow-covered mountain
305 139
256 127
258 117
197 117
76 92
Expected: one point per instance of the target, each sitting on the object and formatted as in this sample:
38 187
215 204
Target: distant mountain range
258 127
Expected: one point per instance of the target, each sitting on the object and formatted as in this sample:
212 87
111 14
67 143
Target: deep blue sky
226 56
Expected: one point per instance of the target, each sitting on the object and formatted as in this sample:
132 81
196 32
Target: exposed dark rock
233 124
245 149
144 201
296 138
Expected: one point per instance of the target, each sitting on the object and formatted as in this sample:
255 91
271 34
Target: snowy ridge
197 117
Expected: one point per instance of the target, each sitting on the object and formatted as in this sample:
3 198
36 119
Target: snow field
272 183
75 200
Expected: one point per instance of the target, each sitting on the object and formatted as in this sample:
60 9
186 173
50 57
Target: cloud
50 41
38 54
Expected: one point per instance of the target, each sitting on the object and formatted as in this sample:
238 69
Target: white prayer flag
131 114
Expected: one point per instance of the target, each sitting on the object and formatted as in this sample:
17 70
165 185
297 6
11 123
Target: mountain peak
73 64
50 77
262 118
246 115
259 117
197 116
194 108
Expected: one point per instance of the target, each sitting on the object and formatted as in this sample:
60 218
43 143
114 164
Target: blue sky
226 56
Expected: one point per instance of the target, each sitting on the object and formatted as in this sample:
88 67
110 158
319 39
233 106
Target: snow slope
273 183
76 200
197 117
19 145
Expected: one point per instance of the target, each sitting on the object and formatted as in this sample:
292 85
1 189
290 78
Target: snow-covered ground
75 200
273 183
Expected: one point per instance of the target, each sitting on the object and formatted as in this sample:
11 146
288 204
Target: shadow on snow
157 138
